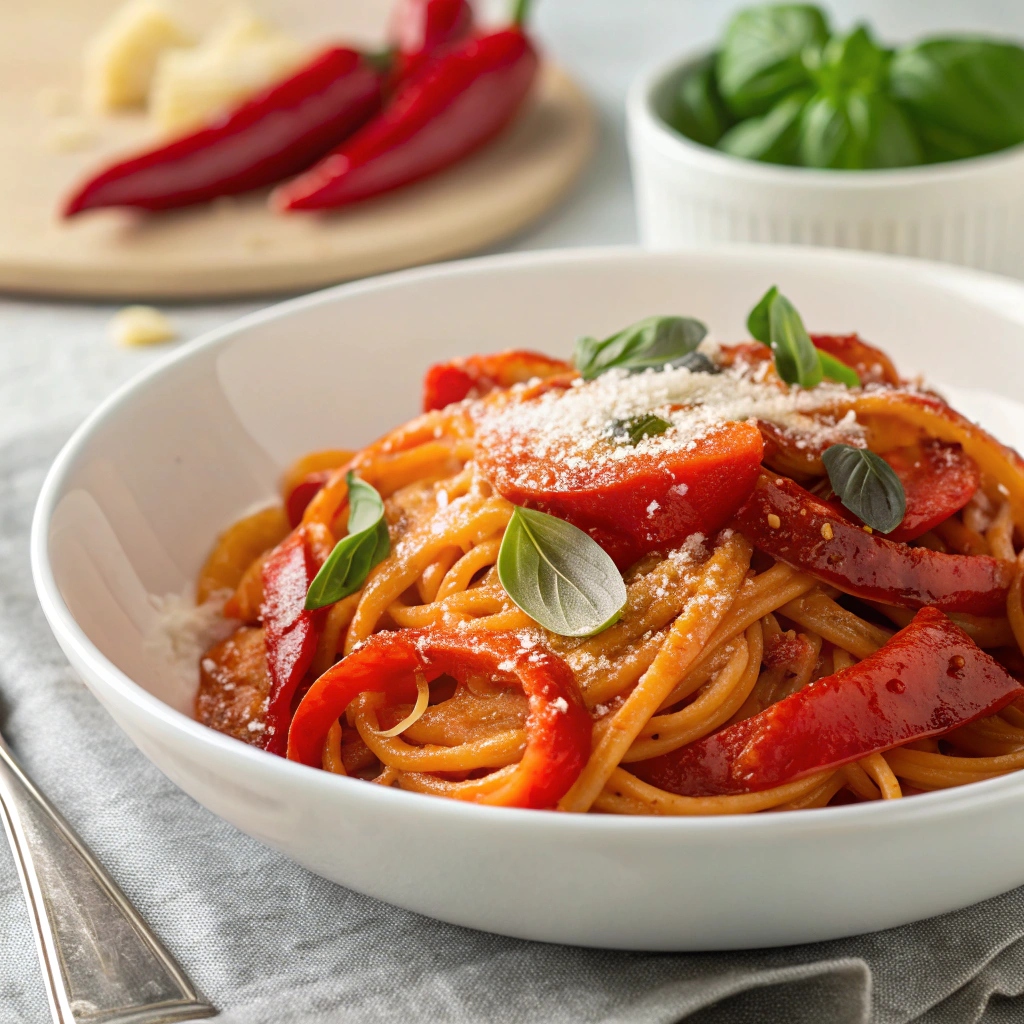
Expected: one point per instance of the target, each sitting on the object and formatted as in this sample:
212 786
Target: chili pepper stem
520 9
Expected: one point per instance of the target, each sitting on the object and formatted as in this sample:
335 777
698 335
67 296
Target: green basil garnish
635 430
775 322
698 111
867 485
652 343
833 369
697 362
367 544
559 575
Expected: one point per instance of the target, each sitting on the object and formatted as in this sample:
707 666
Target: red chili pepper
476 376
422 29
291 631
558 728
633 505
460 102
813 537
930 678
276 133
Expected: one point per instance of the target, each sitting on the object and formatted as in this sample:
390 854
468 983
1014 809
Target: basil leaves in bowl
784 88
793 131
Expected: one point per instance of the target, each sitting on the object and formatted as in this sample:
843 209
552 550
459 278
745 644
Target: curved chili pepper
929 678
422 29
787 522
291 631
558 727
459 103
476 376
276 133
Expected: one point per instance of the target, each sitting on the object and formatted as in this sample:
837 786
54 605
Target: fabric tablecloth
268 942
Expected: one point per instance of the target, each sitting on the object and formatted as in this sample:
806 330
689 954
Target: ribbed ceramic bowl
135 499
969 212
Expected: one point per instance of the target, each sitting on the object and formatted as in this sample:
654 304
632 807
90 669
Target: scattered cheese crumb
826 531
652 508
867 529
241 57
560 704
69 135
140 325
774 521
120 60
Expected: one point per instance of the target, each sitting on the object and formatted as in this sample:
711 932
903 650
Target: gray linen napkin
268 942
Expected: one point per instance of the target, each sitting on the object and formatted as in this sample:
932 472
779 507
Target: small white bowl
969 212
134 500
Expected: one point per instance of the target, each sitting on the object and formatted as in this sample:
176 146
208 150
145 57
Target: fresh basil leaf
758 322
796 358
633 431
867 485
698 111
940 145
367 544
772 138
652 343
835 370
856 131
761 59
559 575
846 63
971 87
697 362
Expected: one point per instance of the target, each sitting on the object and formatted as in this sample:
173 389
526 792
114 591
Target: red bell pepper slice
476 376
938 480
421 30
275 134
930 678
811 536
558 726
303 493
634 505
873 366
460 102
291 631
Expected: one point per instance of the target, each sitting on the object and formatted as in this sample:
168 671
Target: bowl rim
642 116
264 766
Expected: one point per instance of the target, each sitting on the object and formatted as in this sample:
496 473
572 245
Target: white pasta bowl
134 501
969 212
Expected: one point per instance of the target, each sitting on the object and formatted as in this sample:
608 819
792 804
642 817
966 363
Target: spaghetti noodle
716 679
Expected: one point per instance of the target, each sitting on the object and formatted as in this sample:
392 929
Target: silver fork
101 962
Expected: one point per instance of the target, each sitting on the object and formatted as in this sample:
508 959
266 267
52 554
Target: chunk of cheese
121 58
241 57
140 325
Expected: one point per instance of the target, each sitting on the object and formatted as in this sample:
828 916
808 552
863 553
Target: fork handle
101 963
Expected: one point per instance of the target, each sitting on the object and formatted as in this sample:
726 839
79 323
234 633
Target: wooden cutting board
236 246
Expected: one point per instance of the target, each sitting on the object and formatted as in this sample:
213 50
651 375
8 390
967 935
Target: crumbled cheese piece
442 498
69 135
141 325
826 531
120 60
867 529
560 704
774 521
235 61
256 726
652 508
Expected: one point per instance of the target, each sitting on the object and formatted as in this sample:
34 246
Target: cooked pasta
757 604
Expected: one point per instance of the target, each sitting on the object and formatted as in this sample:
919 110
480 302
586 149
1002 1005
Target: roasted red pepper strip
277 133
810 535
422 30
873 366
930 678
558 726
938 479
635 505
459 103
303 493
291 631
476 376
